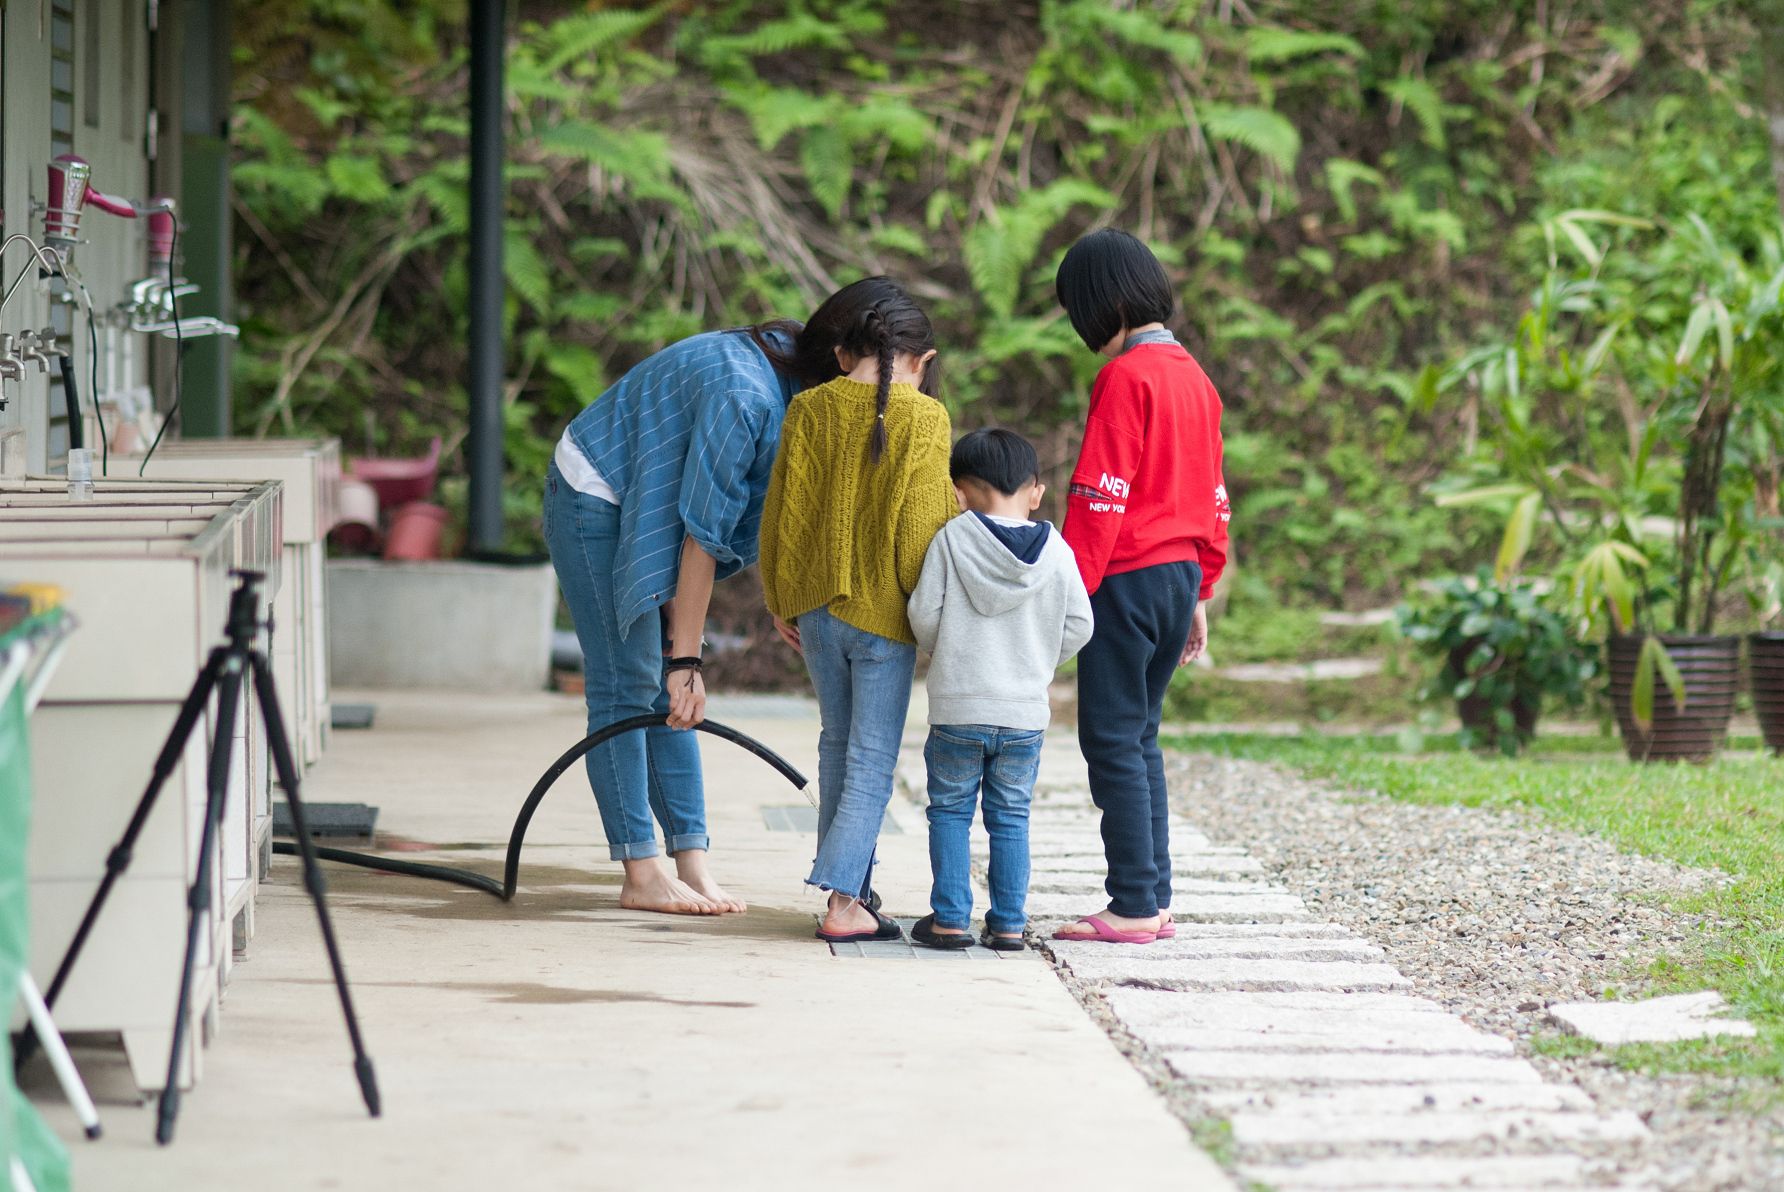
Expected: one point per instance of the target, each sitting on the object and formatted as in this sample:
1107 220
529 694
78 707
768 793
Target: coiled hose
510 882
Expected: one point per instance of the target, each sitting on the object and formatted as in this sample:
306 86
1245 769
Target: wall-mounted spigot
32 345
200 327
11 367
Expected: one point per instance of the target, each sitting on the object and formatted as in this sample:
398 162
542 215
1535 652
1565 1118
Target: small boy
1000 606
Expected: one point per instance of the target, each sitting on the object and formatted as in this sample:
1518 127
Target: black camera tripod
225 673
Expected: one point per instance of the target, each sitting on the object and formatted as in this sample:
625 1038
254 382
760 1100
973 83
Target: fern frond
829 165
1341 175
1264 132
1139 27
891 119
640 158
526 271
776 111
1273 43
583 34
999 252
1421 99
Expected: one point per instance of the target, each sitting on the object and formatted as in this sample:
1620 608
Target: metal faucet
31 349
11 367
199 327
143 293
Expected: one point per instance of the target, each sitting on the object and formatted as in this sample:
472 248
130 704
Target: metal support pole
487 285
207 219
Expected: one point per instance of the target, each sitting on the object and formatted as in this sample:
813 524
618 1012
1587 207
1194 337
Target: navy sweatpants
1142 622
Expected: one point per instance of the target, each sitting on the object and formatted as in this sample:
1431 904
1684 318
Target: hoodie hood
994 576
1025 542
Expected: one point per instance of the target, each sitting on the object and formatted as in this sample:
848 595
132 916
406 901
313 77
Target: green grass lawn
1728 815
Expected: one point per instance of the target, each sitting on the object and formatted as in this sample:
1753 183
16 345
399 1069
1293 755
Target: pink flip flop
1107 934
1168 931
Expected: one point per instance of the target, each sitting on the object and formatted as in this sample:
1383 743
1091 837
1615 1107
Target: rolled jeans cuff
830 888
634 850
688 841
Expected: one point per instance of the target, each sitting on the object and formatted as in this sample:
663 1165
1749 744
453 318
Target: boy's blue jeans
638 775
962 759
863 683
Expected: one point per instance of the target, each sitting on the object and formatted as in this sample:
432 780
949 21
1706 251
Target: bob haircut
1110 280
998 458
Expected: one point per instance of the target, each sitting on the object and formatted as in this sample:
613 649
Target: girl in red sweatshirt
1146 516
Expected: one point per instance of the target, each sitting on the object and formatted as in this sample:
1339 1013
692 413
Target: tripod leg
198 899
118 860
286 768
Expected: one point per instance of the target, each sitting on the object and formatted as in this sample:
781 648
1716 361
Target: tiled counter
145 569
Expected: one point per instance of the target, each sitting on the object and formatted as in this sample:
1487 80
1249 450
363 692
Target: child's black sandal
1000 943
923 932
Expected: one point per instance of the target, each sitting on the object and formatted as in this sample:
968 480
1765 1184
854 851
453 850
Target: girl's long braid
877 443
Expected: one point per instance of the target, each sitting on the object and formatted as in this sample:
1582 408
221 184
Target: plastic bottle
80 474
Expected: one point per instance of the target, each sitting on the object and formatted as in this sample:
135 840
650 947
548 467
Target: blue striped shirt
687 441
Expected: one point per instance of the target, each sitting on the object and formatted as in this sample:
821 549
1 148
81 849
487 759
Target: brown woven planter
1765 668
1710 667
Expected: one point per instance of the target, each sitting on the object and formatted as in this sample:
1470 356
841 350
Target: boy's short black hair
1000 458
1110 280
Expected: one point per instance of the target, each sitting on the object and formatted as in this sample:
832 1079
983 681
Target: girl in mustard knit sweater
859 488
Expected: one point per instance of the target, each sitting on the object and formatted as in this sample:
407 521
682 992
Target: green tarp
22 1132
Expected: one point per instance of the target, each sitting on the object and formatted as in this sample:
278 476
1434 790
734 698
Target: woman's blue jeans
863 683
635 775
961 758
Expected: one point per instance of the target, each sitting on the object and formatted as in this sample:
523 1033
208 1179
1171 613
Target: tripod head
244 608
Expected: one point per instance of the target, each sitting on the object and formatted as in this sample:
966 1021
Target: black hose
439 873
71 397
516 839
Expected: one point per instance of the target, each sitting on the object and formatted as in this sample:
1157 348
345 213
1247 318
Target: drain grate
905 950
347 716
802 817
327 819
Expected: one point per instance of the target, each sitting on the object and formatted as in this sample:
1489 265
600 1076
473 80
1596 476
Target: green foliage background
1335 186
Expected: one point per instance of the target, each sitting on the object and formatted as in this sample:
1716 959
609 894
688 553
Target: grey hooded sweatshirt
998 627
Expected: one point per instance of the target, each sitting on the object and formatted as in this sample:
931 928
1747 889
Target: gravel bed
1496 915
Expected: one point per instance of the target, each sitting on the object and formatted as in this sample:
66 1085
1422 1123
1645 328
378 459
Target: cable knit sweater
841 531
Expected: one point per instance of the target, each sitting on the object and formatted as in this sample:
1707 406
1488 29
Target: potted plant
1609 420
1765 649
1503 651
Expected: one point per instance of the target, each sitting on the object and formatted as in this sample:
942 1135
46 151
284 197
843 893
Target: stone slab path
1330 1072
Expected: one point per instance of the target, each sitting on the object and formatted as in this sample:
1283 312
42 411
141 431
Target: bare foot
940 930
1076 931
648 888
1164 920
847 916
690 867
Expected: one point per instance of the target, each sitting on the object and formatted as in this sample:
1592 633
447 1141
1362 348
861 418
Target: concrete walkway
561 1043
1331 1072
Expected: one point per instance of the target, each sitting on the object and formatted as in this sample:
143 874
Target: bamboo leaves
1651 664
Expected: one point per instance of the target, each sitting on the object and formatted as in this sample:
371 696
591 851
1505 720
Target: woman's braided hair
871 317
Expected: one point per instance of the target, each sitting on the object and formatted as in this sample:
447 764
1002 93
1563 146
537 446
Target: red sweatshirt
1148 488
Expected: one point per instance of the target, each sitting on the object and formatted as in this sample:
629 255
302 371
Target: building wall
110 78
